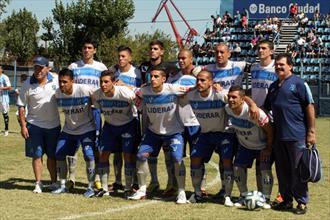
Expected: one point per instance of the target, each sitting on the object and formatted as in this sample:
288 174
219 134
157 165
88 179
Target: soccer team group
155 106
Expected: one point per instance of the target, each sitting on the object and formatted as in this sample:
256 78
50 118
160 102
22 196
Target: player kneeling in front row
255 142
164 129
79 128
120 132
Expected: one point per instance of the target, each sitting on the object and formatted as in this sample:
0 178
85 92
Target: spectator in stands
236 49
244 22
195 49
225 33
293 11
316 15
237 18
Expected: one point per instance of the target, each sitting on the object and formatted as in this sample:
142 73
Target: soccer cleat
60 190
138 195
194 198
116 186
266 204
283 206
70 184
38 188
204 193
153 187
102 193
239 202
220 195
89 193
301 209
135 187
278 199
128 193
228 202
98 184
181 198
169 191
6 133
53 186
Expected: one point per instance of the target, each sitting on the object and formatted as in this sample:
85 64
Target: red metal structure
191 32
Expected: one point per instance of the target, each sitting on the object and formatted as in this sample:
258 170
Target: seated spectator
236 49
293 12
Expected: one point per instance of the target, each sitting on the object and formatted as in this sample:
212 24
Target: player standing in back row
87 72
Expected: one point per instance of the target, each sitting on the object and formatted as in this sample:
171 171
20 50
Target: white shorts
4 107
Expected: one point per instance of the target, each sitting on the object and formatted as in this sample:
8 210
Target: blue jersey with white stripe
77 109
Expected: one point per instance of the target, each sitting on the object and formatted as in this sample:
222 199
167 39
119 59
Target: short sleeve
22 100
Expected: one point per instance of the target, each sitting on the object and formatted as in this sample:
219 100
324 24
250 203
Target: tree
3 5
98 19
21 34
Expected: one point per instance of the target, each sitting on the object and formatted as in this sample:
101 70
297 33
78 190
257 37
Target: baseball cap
40 61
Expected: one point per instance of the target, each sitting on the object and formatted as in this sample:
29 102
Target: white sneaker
266 206
53 186
240 202
6 133
38 188
181 198
228 202
89 193
138 195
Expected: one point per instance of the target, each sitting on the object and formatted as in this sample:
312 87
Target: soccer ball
254 200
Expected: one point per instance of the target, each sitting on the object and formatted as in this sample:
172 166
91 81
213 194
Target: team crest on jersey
292 87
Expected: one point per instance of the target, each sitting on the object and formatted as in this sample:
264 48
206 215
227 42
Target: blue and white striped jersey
131 78
77 109
4 82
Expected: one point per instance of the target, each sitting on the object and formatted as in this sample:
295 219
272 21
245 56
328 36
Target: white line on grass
127 207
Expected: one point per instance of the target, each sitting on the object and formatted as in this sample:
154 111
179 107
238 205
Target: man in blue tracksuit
292 104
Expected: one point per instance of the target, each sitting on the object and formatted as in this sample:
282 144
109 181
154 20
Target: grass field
18 201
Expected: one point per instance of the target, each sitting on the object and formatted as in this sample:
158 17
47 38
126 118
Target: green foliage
21 29
3 5
139 44
98 19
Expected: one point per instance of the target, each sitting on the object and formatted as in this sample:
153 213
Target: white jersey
186 113
87 74
77 109
231 74
249 133
40 102
210 110
261 78
118 109
4 82
132 77
161 109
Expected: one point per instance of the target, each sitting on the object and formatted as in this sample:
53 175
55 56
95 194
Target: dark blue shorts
40 141
220 142
151 143
124 138
68 145
245 157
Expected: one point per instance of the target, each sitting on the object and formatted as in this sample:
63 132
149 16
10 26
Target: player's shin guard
228 181
197 173
90 170
72 163
129 171
142 172
103 170
267 183
169 168
152 162
118 166
6 120
62 171
240 175
180 175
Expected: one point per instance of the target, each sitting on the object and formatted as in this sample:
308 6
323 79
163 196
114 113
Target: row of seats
306 60
312 69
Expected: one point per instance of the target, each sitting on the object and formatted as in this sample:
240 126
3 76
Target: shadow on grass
28 184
